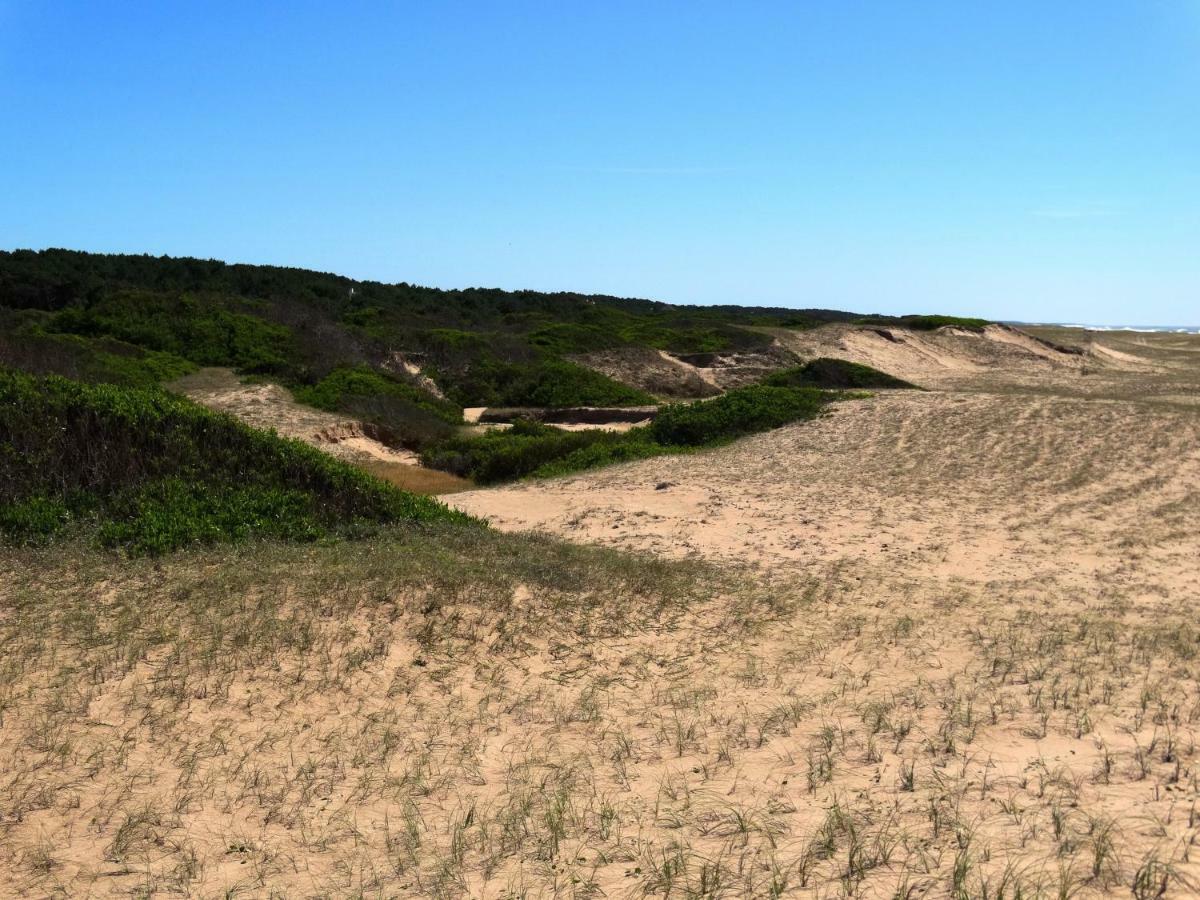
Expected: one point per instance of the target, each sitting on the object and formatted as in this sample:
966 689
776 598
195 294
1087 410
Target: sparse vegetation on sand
150 472
989 685
275 718
533 449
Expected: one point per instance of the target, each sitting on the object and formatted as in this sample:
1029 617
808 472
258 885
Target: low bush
199 329
25 345
404 413
739 412
488 380
834 374
634 444
151 471
926 323
502 455
540 451
342 385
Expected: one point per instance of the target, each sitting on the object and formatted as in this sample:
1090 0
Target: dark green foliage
198 329
834 374
35 518
739 412
533 449
530 448
555 383
172 513
633 444
487 379
483 346
926 323
25 345
566 338
405 414
154 471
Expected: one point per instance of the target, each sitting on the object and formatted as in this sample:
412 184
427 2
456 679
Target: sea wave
1144 329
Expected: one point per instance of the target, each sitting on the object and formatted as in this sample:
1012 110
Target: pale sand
1061 500
960 656
271 406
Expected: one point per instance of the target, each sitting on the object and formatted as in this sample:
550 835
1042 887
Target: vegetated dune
945 355
934 644
688 376
949 355
653 371
271 406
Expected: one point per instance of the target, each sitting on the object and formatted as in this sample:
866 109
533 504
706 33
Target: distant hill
141 319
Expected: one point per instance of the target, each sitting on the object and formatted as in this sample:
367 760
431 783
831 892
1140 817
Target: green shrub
534 449
34 519
153 471
633 445
834 374
926 323
405 414
25 345
199 329
565 338
339 386
171 513
561 384
490 381
502 455
739 412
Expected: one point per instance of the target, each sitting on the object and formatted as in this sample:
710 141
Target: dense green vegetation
199 329
834 374
491 381
403 414
533 449
733 414
530 448
482 346
106 452
27 346
927 323
148 471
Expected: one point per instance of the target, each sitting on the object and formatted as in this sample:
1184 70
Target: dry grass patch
456 715
417 479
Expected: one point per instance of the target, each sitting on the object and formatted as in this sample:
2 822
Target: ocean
1148 329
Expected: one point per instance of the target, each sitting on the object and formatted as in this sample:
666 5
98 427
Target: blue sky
1023 160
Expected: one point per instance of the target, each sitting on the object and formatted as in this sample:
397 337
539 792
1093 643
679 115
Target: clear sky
1022 159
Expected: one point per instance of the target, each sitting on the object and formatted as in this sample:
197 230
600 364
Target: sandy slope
952 651
271 406
939 485
1027 516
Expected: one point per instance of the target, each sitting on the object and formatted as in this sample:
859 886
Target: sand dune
998 532
944 644
938 357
